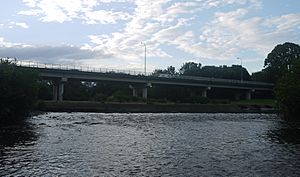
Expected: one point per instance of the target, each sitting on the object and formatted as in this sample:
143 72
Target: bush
100 97
18 91
196 99
119 96
287 92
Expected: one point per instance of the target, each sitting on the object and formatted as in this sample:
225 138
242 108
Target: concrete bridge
138 82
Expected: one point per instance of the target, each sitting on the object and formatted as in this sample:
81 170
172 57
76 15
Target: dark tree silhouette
18 91
287 92
281 59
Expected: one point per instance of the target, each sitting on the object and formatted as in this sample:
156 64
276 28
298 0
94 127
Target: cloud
69 10
163 25
50 54
164 22
13 24
231 32
22 25
284 22
105 17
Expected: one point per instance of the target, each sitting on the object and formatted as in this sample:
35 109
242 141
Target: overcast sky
108 33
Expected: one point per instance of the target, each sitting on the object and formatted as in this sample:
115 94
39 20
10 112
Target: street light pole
145 57
241 68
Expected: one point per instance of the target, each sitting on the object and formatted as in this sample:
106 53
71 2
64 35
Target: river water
95 144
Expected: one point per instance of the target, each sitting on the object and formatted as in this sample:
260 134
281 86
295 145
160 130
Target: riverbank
88 106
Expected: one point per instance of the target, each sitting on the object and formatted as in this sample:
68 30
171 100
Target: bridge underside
141 90
140 85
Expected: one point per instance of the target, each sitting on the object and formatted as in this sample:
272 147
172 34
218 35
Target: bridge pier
145 92
204 92
134 92
138 89
244 95
54 91
58 89
248 94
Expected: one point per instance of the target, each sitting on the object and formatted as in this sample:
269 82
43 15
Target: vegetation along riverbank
88 106
21 88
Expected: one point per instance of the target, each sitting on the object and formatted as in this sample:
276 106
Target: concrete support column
60 91
54 92
137 89
248 95
134 92
145 93
204 93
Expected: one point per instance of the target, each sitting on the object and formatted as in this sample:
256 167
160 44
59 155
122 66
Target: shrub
287 93
18 91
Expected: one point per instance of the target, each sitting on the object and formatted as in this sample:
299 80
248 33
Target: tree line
20 87
234 72
281 67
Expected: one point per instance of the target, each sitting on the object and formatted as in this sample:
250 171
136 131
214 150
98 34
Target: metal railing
34 64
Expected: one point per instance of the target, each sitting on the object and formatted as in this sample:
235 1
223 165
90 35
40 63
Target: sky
112 33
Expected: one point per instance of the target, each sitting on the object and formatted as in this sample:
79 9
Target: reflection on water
286 133
13 135
93 144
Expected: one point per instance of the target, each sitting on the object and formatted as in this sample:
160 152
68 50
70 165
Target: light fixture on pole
145 57
241 68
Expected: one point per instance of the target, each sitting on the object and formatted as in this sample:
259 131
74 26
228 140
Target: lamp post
241 68
145 57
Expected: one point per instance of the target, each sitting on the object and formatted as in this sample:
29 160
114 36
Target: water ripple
94 144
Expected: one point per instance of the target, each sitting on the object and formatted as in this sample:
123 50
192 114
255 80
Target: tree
224 72
287 92
281 58
45 90
76 91
18 91
190 68
170 70
262 76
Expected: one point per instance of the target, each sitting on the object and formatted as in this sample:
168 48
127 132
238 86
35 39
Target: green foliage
169 70
270 102
45 90
262 76
120 96
18 91
224 72
287 92
76 91
195 99
282 67
190 68
100 97
281 59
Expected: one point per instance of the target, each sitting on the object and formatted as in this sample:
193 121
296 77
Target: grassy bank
88 106
269 102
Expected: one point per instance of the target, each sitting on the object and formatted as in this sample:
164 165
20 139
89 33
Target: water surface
95 144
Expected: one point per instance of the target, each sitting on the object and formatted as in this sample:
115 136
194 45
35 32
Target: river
96 144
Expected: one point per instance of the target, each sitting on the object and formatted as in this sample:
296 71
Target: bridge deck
142 79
